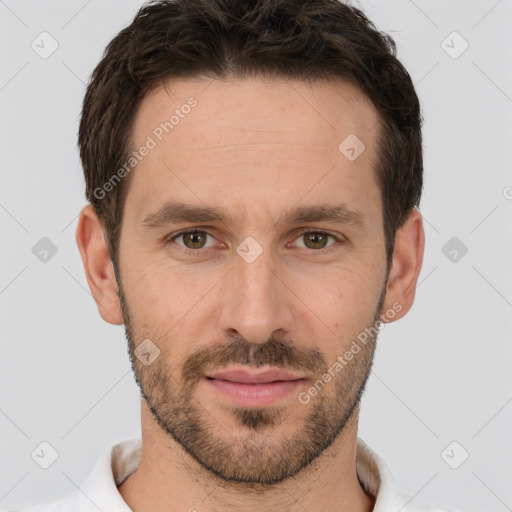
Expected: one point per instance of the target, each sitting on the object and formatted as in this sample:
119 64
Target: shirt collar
120 460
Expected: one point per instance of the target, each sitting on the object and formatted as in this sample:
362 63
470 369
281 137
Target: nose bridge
254 303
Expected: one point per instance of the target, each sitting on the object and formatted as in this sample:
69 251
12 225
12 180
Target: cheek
345 301
340 286
165 296
151 299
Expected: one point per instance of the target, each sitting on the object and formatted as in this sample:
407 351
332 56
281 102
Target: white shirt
99 491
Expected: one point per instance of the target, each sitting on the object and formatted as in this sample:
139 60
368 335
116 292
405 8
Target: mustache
276 352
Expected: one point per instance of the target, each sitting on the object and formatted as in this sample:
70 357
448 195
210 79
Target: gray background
441 374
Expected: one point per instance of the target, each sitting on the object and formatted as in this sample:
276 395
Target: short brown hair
292 39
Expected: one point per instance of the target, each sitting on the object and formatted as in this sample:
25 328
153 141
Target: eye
192 239
316 240
195 241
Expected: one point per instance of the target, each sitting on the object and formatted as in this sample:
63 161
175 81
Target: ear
98 266
406 267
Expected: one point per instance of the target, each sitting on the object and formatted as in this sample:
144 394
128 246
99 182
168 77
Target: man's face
253 293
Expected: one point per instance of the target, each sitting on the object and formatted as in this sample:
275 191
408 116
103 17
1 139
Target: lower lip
254 395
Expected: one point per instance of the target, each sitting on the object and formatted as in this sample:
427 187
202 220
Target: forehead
241 140
319 111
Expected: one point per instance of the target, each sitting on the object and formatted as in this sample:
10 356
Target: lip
245 376
254 388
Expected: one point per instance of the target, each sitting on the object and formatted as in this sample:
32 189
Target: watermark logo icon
44 455
44 45
455 455
249 249
146 352
454 249
454 45
351 147
44 250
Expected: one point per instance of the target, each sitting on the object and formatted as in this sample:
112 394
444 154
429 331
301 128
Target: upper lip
255 377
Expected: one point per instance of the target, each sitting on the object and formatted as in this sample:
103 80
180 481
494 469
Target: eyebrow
176 212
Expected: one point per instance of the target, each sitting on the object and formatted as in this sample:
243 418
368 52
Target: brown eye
315 240
192 239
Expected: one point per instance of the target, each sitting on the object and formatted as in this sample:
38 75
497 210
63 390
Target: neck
168 478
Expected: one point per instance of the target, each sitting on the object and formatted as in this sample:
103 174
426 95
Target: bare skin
255 149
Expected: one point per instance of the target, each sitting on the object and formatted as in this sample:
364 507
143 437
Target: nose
255 300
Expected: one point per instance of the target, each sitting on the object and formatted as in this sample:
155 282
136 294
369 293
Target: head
253 172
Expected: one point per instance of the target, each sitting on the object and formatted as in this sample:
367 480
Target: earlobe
98 265
406 266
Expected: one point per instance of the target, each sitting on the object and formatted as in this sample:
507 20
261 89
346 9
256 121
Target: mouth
245 376
255 388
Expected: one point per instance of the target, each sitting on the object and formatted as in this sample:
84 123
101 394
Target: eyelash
196 252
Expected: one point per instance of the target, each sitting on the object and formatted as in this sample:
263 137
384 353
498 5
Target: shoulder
377 480
99 491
